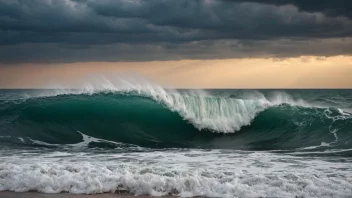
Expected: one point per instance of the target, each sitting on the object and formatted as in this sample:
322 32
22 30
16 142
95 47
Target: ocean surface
147 140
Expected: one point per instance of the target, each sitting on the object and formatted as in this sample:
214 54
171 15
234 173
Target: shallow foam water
210 173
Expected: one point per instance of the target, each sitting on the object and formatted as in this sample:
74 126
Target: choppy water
149 140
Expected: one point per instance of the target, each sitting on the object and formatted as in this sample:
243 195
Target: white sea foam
216 173
322 144
86 140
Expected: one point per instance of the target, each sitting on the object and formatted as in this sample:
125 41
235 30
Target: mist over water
134 135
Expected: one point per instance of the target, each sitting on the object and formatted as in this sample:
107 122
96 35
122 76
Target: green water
295 119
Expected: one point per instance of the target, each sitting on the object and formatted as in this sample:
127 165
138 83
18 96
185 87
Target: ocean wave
222 114
145 114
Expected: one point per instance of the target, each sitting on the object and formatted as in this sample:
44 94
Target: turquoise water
221 119
279 138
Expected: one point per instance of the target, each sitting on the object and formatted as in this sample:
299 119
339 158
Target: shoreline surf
8 194
152 141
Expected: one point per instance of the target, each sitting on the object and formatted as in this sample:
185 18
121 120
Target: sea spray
148 115
137 137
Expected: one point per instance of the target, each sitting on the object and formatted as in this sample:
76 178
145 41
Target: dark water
266 120
301 123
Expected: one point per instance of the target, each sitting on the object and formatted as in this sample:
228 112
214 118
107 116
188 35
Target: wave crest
221 114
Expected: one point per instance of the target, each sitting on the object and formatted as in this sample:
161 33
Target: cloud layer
138 30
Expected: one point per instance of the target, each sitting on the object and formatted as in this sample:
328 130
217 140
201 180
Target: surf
148 115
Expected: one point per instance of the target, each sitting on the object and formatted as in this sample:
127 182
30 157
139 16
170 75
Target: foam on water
86 140
79 168
323 144
187 173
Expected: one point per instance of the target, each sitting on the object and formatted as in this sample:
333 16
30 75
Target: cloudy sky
215 39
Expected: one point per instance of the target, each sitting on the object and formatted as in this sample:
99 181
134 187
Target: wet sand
66 195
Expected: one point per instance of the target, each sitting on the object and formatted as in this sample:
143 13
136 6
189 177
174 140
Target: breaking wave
145 114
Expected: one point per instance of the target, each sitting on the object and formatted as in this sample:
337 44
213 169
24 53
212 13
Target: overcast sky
177 43
66 31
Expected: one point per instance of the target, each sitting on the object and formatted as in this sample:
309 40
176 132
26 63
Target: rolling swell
159 119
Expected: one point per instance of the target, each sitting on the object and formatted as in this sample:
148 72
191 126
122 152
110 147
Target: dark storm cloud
328 7
32 30
49 52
